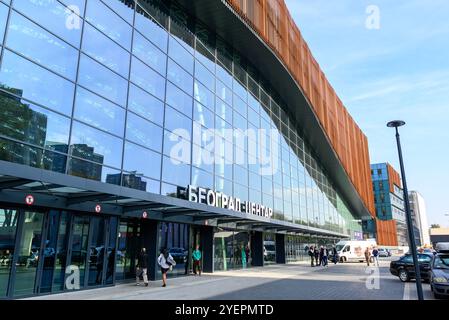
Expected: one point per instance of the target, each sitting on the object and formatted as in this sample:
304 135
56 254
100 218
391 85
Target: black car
439 274
405 269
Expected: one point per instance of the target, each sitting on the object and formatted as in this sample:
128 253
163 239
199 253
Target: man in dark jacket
316 253
312 256
142 267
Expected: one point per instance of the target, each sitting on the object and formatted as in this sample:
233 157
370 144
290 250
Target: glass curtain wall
121 79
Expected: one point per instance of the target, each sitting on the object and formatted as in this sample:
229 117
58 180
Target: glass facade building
388 198
102 93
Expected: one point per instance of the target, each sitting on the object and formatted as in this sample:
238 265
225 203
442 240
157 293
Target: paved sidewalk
276 282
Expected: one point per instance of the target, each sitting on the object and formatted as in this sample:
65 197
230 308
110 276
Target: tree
435 226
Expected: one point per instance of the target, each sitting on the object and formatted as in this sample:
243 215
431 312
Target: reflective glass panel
3 17
52 15
94 145
203 115
203 75
30 81
8 227
61 253
100 79
96 251
143 132
28 254
147 25
179 100
178 53
124 8
105 20
175 172
178 76
145 105
99 112
147 79
142 161
223 92
149 53
105 51
175 121
203 95
27 122
24 37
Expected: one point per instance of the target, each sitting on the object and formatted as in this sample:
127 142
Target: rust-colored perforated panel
393 178
386 232
274 24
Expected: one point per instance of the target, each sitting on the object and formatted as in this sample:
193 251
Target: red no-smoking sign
97 208
29 199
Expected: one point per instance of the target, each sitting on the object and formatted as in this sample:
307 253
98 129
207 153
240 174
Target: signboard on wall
221 200
358 235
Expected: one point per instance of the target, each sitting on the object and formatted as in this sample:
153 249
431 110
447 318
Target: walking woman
166 262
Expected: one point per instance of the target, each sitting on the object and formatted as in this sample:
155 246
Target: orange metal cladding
393 178
386 232
274 24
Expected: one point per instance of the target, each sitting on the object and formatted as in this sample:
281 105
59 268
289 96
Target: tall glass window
8 228
25 36
25 79
28 254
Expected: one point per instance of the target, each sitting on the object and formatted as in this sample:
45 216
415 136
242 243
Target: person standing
376 255
321 255
312 256
166 262
316 253
367 256
325 255
335 255
196 255
142 267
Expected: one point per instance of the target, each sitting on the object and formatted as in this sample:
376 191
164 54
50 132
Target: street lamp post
396 124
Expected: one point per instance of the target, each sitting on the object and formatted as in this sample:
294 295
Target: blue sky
399 71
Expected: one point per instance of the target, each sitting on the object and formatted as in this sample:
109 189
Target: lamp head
395 123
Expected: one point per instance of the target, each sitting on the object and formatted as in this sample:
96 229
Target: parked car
405 269
439 275
384 253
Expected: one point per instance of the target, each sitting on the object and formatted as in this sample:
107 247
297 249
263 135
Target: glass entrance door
8 228
127 250
79 246
28 253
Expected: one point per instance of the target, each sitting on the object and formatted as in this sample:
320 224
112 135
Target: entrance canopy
60 191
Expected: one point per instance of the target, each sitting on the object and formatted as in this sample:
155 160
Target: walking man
376 256
142 267
325 255
367 256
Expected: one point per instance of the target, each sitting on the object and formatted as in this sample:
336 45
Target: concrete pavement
349 281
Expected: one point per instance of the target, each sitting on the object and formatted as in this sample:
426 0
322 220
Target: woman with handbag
166 262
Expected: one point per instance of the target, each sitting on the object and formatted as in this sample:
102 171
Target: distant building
419 217
389 225
439 235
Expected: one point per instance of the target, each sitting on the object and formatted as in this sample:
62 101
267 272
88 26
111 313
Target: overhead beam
9 184
92 197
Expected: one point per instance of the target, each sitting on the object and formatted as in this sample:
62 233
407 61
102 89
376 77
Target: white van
353 250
